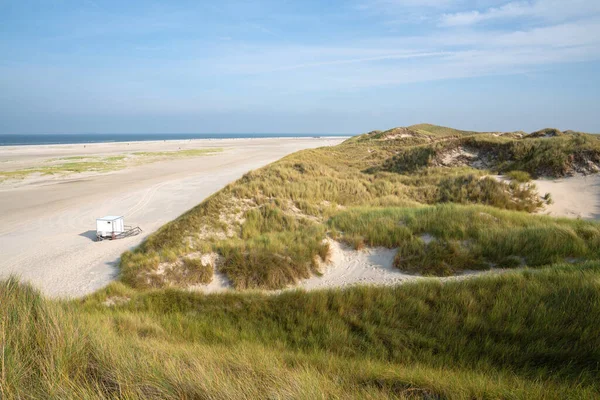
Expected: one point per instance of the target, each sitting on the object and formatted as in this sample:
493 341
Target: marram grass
525 334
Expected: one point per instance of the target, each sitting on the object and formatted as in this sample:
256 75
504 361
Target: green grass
115 158
440 130
69 167
488 191
75 158
178 153
554 157
546 132
80 164
527 335
412 135
519 176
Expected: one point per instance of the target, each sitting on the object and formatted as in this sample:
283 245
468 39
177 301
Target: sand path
47 225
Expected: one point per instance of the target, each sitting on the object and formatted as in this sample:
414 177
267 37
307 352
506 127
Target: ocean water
37 139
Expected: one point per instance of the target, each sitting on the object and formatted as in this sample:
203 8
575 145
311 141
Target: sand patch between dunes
573 197
370 266
348 267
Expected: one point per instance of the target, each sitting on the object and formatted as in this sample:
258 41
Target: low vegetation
556 156
519 176
178 153
80 164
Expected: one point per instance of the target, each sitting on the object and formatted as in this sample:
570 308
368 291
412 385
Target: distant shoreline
7 140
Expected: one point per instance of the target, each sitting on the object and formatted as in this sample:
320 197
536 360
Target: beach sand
47 223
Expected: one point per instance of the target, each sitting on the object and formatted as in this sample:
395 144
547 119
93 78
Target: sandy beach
47 223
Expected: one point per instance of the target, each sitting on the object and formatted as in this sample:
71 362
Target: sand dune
47 225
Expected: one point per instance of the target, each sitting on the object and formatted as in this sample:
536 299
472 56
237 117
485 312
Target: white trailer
113 227
109 227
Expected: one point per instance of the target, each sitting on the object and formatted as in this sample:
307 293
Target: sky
281 66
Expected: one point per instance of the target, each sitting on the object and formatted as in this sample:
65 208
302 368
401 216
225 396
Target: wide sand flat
47 224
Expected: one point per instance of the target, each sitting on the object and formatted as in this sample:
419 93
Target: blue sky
297 66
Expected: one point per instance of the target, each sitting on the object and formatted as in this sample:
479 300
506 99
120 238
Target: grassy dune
519 335
529 333
539 156
269 226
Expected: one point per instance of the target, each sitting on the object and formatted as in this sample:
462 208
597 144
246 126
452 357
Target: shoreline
183 140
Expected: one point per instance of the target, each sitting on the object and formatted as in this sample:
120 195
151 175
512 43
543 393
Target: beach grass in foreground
526 334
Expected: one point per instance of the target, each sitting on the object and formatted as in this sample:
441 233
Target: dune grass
487 190
554 157
519 176
529 334
437 130
447 239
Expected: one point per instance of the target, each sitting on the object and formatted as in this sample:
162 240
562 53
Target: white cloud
387 4
553 10
510 10
261 62
576 34
374 62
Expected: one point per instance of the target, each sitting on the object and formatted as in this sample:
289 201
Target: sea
75 138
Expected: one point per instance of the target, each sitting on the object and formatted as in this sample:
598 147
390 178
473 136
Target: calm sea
16 140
